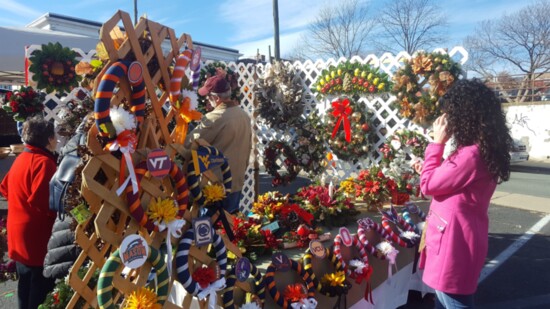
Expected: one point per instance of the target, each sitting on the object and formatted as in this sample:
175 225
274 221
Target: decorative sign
347 240
203 231
411 207
196 59
158 163
204 160
81 213
281 262
317 249
273 226
135 72
134 251
242 269
366 223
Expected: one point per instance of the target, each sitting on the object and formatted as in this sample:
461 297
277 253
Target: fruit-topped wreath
421 82
349 129
350 79
279 93
54 68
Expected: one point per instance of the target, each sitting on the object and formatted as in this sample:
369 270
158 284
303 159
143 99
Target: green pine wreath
54 68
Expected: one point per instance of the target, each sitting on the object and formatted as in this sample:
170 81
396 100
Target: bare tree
519 41
340 30
411 25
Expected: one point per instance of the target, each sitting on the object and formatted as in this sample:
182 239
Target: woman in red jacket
30 221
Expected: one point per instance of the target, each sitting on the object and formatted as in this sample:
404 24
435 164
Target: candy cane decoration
179 71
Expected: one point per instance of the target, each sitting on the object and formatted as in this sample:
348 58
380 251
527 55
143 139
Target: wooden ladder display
111 221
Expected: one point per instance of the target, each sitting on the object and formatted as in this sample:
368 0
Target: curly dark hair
475 116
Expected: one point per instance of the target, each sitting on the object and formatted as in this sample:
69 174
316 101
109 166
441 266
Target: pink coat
458 222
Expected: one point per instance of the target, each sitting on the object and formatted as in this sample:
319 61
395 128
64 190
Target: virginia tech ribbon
126 142
342 111
184 116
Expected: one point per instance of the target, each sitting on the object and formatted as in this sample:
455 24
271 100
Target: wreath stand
110 220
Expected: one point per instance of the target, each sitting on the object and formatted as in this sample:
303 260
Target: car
519 152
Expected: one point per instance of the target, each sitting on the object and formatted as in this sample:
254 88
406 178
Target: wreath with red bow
349 130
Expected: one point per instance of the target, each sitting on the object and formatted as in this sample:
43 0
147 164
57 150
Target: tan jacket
229 129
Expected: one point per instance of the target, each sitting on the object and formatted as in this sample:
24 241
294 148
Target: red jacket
30 221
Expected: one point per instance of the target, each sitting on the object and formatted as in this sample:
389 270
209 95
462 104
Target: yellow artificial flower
335 279
143 298
348 186
162 210
213 193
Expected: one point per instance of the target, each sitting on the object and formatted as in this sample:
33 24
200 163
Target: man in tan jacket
229 129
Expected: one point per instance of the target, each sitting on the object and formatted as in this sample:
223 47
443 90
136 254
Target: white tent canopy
12 53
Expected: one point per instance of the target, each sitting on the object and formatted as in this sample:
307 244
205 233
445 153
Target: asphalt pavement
521 280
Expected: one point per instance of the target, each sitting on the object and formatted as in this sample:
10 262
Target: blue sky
240 24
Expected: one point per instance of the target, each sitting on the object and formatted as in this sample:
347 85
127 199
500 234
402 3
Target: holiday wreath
273 150
23 103
410 144
421 82
54 68
349 129
279 93
351 79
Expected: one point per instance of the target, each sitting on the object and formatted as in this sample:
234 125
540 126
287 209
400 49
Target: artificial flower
122 119
204 276
358 265
385 247
213 193
335 279
143 298
162 210
410 235
295 292
421 64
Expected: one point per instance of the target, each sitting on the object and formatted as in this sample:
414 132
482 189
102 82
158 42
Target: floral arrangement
142 298
279 93
54 68
407 182
347 187
218 68
351 79
301 237
407 143
269 205
73 113
23 103
271 153
349 129
329 208
310 147
421 82
251 239
373 187
7 268
62 293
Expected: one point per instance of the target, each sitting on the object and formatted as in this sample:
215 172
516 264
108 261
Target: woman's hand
441 136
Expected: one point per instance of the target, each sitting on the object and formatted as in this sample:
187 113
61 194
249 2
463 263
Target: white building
70 32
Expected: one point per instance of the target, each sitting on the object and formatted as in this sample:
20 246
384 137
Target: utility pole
135 12
276 26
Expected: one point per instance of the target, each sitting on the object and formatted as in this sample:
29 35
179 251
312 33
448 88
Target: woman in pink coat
457 227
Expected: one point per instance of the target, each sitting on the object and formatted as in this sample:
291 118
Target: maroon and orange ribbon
342 111
126 142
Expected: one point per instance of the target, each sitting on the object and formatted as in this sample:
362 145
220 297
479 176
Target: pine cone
347 85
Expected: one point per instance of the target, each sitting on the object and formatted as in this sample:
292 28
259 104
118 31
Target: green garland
415 100
351 79
54 68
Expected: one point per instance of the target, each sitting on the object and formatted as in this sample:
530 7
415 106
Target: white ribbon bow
126 152
391 256
210 292
174 229
305 303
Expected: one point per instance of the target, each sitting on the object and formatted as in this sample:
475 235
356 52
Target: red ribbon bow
364 275
342 111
